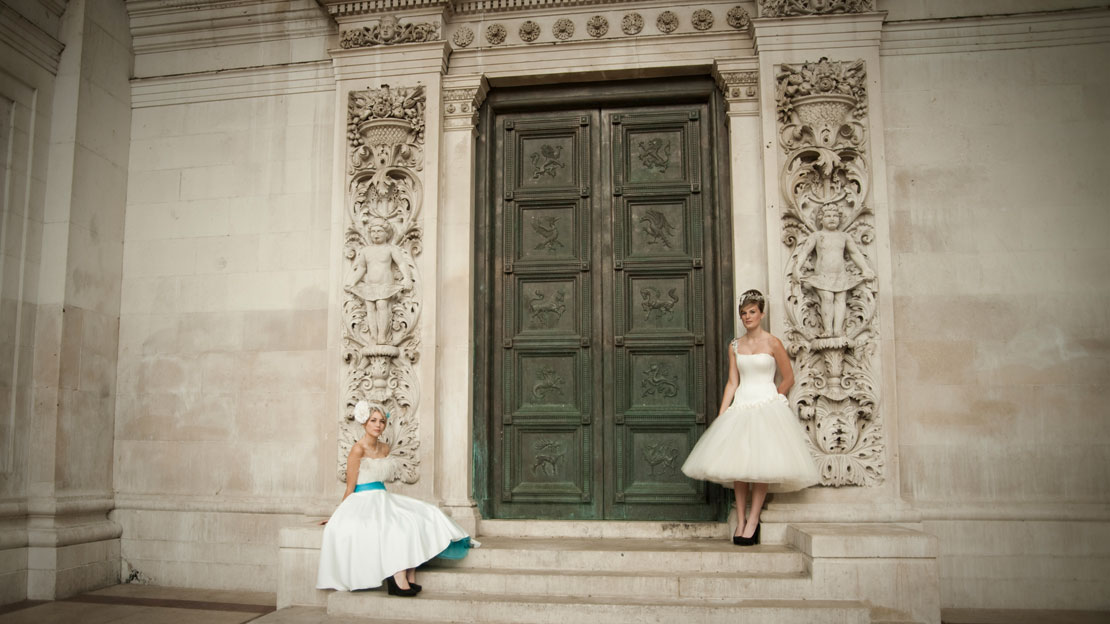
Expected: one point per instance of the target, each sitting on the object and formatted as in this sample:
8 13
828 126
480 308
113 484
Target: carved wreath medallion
495 34
463 37
667 22
702 19
529 31
597 26
739 18
382 285
563 29
632 23
831 310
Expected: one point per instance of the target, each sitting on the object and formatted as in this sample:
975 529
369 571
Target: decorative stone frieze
463 37
632 23
739 18
831 313
389 31
563 29
794 8
738 86
529 31
702 19
382 286
667 22
597 26
495 34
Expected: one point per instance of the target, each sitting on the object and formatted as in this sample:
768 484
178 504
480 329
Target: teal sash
373 485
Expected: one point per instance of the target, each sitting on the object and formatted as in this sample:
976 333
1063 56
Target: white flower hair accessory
362 412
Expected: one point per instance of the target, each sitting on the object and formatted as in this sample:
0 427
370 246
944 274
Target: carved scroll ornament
382 286
794 8
831 291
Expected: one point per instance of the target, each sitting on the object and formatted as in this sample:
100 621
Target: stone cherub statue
373 280
831 278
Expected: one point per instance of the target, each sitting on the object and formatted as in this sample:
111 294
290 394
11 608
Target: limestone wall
1001 301
223 411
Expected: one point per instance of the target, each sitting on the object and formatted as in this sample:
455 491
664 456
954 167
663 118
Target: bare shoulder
357 451
775 344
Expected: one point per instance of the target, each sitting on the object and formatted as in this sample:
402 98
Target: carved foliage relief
794 8
831 292
382 287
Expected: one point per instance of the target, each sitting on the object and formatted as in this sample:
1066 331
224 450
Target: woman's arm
733 380
783 362
353 460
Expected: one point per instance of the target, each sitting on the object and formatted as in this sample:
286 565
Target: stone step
538 609
676 556
604 529
639 584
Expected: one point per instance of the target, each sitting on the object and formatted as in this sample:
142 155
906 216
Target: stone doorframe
455 84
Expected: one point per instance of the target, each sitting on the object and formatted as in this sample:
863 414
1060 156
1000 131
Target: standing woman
756 440
375 535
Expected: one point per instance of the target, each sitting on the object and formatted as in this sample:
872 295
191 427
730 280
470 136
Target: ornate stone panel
831 315
793 8
382 285
389 31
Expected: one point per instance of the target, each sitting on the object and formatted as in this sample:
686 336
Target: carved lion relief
382 286
831 311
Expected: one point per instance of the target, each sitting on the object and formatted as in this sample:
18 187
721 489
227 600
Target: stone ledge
862 541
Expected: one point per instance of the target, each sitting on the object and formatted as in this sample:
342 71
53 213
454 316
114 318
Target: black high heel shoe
394 590
748 541
415 586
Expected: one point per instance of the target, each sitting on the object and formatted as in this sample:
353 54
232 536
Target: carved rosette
794 8
831 293
463 37
667 22
563 29
496 33
702 19
739 18
632 23
382 293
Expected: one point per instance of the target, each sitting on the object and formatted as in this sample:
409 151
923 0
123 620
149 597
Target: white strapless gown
374 534
758 439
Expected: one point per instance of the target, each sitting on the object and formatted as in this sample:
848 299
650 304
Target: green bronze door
600 306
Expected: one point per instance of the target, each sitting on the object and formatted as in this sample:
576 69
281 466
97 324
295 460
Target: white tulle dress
758 439
374 534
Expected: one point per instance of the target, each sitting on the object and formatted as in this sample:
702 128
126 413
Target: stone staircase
642 573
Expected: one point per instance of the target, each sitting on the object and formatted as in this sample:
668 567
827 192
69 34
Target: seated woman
374 535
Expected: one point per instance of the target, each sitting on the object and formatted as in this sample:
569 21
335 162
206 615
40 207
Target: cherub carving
831 278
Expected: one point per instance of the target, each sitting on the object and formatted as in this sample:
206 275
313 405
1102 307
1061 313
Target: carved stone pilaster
461 100
795 8
831 314
382 285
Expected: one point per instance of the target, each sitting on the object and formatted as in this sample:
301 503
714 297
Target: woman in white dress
756 442
375 535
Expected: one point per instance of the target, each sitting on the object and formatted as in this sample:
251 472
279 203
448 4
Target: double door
601 306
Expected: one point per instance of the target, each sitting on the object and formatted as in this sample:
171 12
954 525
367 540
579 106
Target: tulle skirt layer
760 443
375 534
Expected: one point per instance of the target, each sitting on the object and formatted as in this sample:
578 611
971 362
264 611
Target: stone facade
209 259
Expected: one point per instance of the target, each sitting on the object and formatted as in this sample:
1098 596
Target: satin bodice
757 378
375 469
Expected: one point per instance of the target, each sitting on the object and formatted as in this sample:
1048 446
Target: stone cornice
233 84
817 33
969 34
169 26
26 37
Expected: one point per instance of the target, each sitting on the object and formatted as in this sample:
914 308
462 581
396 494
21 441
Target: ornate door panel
601 308
547 463
657 375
